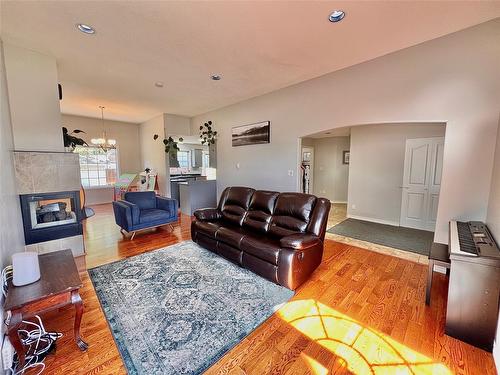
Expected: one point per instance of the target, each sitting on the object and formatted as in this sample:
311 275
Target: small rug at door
414 240
179 309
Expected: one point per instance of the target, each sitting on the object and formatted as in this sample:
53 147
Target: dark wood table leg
14 325
77 301
429 282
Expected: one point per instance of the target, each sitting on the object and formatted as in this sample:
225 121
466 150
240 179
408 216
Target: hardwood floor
362 312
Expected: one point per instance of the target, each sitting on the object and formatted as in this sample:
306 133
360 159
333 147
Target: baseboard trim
439 269
379 221
338 202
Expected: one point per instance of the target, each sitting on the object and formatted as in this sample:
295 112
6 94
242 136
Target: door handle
404 187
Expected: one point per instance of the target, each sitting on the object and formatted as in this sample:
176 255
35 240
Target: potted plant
70 141
171 148
207 134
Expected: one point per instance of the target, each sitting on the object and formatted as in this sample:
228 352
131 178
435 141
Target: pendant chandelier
104 142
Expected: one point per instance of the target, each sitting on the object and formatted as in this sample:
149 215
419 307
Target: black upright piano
474 289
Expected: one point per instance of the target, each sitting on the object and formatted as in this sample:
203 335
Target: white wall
34 101
177 125
127 142
125 133
493 218
330 175
453 79
98 195
11 232
377 167
153 152
493 222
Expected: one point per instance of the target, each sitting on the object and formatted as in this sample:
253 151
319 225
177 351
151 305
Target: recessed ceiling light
85 28
159 84
216 77
336 16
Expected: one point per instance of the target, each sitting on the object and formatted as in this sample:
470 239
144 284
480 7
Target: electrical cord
39 344
38 341
7 274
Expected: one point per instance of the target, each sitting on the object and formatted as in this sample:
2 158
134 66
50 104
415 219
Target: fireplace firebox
50 216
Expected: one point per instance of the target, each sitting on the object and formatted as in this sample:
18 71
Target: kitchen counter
184 174
177 179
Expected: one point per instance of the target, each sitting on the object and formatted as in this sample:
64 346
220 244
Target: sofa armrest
167 204
207 214
126 214
299 241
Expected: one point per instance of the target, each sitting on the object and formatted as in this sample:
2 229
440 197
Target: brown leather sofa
276 235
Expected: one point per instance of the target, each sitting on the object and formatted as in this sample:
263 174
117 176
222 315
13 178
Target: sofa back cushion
319 218
292 213
260 211
234 204
144 199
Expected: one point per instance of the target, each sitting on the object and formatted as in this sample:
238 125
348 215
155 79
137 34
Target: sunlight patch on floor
316 367
364 350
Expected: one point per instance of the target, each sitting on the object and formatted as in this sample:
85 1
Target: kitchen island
195 194
176 179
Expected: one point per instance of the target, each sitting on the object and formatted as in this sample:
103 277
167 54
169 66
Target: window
98 167
206 159
183 159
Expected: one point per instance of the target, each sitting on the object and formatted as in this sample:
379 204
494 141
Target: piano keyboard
465 239
472 239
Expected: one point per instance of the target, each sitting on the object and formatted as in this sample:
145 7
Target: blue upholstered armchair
143 210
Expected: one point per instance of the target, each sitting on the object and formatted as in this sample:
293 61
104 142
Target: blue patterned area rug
179 309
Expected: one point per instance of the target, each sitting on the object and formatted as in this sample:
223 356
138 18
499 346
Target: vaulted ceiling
257 46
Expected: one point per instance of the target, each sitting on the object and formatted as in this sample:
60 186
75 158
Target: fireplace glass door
50 212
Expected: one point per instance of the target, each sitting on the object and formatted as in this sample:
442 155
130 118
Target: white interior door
421 182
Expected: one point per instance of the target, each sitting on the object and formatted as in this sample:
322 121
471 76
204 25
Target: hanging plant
170 143
70 140
207 134
171 148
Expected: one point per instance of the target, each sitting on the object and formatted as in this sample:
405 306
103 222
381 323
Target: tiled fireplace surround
49 172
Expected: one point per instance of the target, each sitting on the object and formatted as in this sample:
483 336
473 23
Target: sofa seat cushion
230 235
207 228
262 247
154 216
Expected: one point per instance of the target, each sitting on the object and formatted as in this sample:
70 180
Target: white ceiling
257 46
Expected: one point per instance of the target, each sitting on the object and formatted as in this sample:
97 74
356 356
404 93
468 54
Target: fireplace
51 216
48 184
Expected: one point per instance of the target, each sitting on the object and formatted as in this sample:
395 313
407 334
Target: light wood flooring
362 312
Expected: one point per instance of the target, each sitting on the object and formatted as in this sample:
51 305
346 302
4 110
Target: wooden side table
438 256
58 286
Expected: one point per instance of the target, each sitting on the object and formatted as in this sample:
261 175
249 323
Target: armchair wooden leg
171 227
133 235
